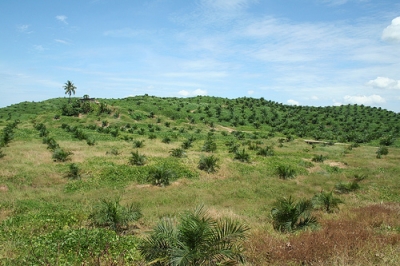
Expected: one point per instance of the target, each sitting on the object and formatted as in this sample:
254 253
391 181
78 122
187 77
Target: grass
39 206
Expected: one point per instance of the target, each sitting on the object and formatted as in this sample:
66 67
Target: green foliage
110 214
209 145
285 171
166 140
346 187
327 201
208 163
69 88
288 215
74 171
2 154
90 141
318 158
138 143
242 156
160 175
61 155
178 152
382 151
386 141
195 239
267 151
137 159
113 151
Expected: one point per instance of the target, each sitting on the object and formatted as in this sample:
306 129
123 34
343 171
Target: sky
297 52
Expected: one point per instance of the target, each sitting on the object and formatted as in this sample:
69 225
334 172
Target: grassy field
45 212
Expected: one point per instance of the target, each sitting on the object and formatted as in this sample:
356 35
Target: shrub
195 239
382 151
51 143
288 215
209 145
386 141
160 176
74 171
267 151
318 158
138 143
344 188
137 159
327 201
166 140
186 144
285 171
61 155
90 141
178 152
2 154
113 151
110 214
242 156
208 164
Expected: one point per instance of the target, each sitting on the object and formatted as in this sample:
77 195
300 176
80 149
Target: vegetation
195 238
64 212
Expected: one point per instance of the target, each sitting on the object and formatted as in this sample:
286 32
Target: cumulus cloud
293 102
62 18
24 28
251 92
384 83
39 48
197 92
392 32
366 100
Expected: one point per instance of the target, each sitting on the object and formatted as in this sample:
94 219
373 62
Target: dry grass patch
365 236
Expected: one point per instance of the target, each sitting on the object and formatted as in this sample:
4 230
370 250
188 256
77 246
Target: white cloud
368 100
315 98
384 83
293 102
250 92
124 33
39 48
62 18
197 92
61 41
227 4
392 32
24 29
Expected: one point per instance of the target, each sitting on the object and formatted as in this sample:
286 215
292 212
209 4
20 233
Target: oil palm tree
69 88
327 201
195 239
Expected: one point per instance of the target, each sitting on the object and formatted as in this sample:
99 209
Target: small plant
178 152
288 215
138 143
113 151
74 171
267 151
152 136
166 140
137 159
344 188
90 141
160 176
208 163
359 177
110 214
61 155
186 144
2 154
285 171
318 158
242 156
209 145
382 151
327 201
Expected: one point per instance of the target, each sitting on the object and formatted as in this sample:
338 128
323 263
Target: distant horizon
182 97
295 52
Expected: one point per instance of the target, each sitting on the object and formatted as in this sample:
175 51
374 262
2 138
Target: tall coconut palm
195 239
69 88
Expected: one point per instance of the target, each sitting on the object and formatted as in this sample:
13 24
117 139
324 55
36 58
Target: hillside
62 160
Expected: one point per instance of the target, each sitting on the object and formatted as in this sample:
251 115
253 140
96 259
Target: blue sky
303 52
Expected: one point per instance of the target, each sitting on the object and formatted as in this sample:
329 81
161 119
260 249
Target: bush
178 152
242 156
288 215
110 214
90 141
137 159
208 164
113 151
61 155
166 140
382 151
318 158
327 201
286 171
74 171
344 188
138 143
2 154
209 145
267 151
160 176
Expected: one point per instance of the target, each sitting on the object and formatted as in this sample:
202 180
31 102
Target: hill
62 162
